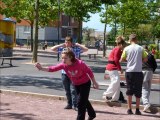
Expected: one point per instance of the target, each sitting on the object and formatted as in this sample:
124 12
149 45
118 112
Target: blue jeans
70 91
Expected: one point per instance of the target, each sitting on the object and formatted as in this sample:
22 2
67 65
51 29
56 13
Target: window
64 32
27 29
72 20
65 20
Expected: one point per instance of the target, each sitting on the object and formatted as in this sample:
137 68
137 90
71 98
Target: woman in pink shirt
81 76
112 68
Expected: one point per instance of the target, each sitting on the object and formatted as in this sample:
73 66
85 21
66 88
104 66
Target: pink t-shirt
78 72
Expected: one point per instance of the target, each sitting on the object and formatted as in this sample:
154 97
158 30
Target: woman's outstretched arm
40 67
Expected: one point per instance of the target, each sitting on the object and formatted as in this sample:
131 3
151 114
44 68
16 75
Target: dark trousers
83 102
70 91
134 83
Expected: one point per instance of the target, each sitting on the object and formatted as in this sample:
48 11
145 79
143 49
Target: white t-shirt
134 54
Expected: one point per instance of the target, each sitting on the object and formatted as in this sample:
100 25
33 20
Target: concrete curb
46 96
56 97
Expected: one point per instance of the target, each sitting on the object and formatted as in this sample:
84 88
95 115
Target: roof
9 20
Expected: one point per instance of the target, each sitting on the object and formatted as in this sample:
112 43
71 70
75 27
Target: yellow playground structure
7 37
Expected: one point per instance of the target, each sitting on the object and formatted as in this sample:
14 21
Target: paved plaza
25 107
24 77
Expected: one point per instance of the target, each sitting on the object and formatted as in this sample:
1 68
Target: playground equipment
7 37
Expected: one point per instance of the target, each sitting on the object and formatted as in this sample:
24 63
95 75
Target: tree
154 7
36 19
133 13
105 19
80 9
24 9
144 33
20 9
87 33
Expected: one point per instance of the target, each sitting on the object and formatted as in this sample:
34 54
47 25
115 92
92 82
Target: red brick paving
18 107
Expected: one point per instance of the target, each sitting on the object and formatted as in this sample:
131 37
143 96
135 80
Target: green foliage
153 6
110 2
156 30
126 14
157 55
111 41
48 12
24 9
79 9
144 32
133 13
152 46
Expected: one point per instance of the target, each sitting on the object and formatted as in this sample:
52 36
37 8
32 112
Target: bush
152 46
157 53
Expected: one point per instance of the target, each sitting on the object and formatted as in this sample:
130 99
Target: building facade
67 26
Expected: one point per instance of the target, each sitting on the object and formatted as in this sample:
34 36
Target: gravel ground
18 107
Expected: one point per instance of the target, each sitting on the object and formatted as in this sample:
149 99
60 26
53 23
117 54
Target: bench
92 54
9 58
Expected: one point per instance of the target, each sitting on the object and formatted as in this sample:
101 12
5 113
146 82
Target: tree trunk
124 29
104 41
79 31
115 25
35 43
32 36
58 26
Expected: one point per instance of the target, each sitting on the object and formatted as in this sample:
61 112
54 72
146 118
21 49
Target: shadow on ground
96 69
17 116
7 66
112 113
40 82
7 115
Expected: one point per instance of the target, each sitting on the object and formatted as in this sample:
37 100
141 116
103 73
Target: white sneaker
104 97
146 107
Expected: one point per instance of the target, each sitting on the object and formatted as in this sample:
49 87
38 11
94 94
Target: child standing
77 48
112 68
81 76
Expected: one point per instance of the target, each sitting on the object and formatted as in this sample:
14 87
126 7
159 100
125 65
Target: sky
95 23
